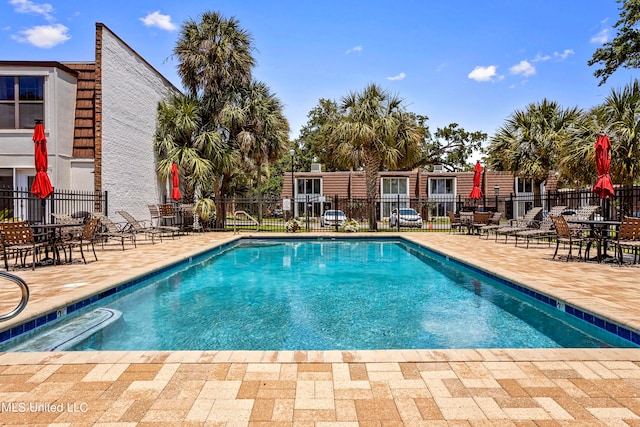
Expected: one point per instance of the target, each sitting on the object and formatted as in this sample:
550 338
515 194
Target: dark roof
39 64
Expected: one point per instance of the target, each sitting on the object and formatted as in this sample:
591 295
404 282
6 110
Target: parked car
333 217
407 217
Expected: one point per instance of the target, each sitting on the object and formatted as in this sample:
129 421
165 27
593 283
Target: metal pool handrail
24 299
252 219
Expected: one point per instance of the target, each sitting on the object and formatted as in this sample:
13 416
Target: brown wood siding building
353 184
84 125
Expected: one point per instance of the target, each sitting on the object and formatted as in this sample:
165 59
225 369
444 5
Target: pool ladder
252 219
24 289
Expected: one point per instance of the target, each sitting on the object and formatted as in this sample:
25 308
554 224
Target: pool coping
59 312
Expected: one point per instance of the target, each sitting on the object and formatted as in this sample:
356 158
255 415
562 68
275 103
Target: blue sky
469 62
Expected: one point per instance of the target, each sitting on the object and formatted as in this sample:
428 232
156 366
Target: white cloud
26 6
602 37
564 55
483 74
400 76
156 19
524 68
357 49
541 58
44 36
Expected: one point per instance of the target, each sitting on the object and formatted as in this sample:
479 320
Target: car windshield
334 213
408 212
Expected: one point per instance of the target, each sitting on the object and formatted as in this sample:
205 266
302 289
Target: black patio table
599 231
52 234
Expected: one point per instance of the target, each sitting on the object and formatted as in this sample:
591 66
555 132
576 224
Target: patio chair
18 239
139 227
157 219
492 225
565 235
628 238
454 223
109 230
528 221
87 237
480 219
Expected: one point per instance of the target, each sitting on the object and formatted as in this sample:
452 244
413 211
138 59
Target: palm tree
258 127
183 137
215 62
622 110
376 133
214 55
527 144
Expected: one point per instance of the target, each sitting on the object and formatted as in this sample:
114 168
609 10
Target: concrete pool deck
412 387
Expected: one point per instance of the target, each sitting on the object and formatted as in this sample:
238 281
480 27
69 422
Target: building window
442 194
524 185
307 198
21 101
394 190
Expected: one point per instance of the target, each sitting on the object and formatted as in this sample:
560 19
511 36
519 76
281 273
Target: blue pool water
333 294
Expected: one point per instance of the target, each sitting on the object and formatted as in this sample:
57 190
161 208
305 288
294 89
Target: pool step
71 332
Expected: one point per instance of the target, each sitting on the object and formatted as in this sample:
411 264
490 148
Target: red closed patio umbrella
476 192
41 184
604 186
175 182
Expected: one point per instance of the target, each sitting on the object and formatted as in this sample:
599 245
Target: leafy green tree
451 146
624 49
373 131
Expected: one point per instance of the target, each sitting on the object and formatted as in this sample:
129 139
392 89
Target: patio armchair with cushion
628 238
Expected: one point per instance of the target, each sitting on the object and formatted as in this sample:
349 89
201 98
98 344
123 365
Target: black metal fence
20 204
306 213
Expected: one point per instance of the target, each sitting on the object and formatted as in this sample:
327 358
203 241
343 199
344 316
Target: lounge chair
628 238
111 231
492 225
544 229
139 227
568 237
528 221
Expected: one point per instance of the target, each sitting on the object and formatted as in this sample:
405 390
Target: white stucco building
99 119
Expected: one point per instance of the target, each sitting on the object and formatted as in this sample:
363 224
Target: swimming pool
309 294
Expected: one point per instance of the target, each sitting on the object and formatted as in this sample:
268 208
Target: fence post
335 207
